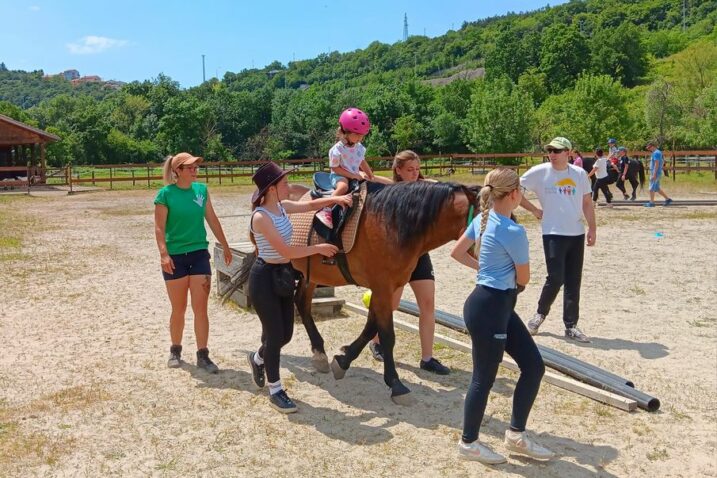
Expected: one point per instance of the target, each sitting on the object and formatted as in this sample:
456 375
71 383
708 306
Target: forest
636 70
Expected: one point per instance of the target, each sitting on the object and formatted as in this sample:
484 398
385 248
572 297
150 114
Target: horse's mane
409 209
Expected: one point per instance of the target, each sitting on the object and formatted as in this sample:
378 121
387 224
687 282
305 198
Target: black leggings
495 327
633 182
275 313
602 185
564 261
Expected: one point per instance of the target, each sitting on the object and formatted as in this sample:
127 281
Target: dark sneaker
175 356
324 215
376 350
575 334
668 201
633 197
203 361
281 401
433 365
625 197
257 371
649 204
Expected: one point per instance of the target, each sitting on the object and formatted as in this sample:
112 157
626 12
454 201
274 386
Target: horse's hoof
401 395
336 369
320 362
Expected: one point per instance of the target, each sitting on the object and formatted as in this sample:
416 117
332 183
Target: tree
506 58
564 54
499 119
662 111
620 53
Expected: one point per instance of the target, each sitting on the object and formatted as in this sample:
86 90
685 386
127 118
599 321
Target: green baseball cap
559 143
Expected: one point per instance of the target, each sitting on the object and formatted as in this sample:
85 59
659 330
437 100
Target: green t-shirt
185 230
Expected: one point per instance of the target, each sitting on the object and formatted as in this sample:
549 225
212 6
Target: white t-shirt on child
561 197
348 157
601 165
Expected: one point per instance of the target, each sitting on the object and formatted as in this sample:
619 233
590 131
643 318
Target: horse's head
472 194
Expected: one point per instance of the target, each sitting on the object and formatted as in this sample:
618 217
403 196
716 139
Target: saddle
324 188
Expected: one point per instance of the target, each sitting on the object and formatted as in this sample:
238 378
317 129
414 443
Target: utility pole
405 27
204 73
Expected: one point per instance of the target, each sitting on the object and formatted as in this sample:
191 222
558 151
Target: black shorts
423 270
195 263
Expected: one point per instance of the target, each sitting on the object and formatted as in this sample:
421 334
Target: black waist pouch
284 279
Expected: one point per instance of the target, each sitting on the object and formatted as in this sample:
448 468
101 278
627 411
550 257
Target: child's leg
342 187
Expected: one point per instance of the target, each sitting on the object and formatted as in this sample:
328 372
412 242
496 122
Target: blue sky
136 40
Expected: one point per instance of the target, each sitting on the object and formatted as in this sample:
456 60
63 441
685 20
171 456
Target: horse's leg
342 362
302 299
400 394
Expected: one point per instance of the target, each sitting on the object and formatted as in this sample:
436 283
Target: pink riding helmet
353 120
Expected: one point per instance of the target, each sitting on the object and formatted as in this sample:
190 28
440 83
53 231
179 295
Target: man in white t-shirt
565 197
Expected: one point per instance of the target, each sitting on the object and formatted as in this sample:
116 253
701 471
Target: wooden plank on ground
552 378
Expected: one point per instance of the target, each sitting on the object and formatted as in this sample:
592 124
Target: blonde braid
498 183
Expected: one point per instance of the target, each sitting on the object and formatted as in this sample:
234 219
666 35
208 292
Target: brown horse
400 223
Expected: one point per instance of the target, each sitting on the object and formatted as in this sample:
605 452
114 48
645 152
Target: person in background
180 209
564 194
603 178
627 171
577 159
489 312
611 149
407 167
657 163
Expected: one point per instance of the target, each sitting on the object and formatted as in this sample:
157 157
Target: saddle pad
303 224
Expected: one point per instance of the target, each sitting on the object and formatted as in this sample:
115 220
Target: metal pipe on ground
575 368
456 322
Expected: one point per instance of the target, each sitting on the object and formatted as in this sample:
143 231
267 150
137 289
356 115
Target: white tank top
282 224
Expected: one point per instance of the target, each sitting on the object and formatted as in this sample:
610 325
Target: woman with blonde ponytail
180 209
489 312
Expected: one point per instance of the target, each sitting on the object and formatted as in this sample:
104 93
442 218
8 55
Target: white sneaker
519 442
479 452
535 323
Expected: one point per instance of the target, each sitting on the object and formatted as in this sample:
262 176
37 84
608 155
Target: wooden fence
435 165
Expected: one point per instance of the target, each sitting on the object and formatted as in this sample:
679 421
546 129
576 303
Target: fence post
110 177
133 184
69 176
148 181
231 173
93 177
673 167
220 174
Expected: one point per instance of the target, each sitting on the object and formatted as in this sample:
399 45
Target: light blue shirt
503 245
656 163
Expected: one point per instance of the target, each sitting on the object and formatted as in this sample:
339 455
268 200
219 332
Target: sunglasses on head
554 150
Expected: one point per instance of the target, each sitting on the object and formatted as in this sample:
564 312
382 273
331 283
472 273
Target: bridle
473 201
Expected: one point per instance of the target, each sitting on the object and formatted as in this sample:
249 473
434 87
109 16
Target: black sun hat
266 176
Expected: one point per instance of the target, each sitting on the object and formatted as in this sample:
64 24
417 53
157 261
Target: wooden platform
324 303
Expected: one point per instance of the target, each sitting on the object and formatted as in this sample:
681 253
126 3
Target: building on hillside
86 79
22 152
70 75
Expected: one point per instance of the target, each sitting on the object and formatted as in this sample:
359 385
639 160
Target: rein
473 209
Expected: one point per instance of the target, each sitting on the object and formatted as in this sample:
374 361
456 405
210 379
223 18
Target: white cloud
94 44
34 8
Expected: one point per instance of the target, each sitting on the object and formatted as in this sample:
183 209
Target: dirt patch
84 388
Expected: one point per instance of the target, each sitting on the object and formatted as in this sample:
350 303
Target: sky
131 40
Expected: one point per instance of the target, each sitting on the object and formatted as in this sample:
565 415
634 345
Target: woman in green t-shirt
180 209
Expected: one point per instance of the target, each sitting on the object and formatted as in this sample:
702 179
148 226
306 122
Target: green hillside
587 70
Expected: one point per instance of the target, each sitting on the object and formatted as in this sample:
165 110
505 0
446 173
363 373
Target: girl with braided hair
503 271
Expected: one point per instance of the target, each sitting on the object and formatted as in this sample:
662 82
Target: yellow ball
366 299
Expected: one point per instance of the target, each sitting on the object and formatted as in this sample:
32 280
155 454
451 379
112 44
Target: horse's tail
240 277
641 173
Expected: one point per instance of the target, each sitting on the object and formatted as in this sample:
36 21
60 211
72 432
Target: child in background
347 157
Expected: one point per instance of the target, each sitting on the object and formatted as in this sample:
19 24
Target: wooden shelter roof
13 132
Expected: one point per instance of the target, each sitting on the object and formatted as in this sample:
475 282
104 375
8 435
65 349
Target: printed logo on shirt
564 187
199 199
